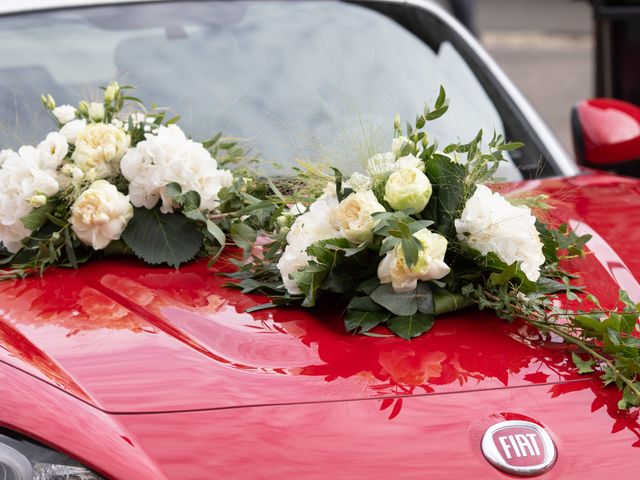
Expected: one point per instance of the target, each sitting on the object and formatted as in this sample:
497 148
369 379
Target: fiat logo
519 447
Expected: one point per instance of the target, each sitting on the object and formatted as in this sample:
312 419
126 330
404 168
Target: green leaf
405 303
243 235
217 233
583 366
444 206
410 326
37 217
363 321
160 238
505 276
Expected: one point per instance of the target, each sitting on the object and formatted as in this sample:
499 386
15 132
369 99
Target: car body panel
129 338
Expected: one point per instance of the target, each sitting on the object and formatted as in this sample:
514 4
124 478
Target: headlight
23 459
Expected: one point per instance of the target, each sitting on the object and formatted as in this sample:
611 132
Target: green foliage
159 238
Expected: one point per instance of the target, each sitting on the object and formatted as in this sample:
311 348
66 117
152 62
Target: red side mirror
606 134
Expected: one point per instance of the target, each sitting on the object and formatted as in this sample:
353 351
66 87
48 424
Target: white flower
71 130
430 266
489 223
381 164
409 161
4 154
22 177
96 111
38 201
136 118
100 214
111 92
170 157
100 147
315 225
72 172
64 113
353 216
398 144
408 188
53 150
359 182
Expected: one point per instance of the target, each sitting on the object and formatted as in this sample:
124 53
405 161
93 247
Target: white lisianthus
354 216
52 150
100 147
170 157
381 164
22 177
318 223
408 188
96 111
64 113
489 223
430 266
71 130
409 161
72 172
398 144
100 214
111 92
359 182
38 201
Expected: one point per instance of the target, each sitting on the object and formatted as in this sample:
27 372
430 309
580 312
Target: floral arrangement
115 178
420 234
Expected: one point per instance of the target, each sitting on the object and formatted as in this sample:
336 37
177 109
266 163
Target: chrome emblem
519 447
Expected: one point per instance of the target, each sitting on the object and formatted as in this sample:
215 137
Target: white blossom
409 161
96 111
100 146
354 216
489 223
170 157
318 223
408 188
22 177
53 150
100 214
71 130
381 164
64 113
393 268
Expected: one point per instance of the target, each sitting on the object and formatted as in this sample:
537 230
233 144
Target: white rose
100 214
71 130
170 157
100 147
409 161
53 150
408 188
430 266
489 223
96 111
64 113
398 144
354 216
359 182
314 225
381 164
22 177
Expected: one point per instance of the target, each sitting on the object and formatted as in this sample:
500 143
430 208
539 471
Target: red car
141 373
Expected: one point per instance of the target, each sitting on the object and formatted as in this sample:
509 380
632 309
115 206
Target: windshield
315 80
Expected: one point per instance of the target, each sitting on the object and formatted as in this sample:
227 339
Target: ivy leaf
160 238
410 326
583 366
243 235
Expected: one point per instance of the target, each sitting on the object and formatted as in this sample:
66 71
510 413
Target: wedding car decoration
420 234
115 178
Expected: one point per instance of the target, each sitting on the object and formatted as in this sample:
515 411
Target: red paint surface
175 362
611 131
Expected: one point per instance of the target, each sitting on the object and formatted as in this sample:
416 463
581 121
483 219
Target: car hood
128 338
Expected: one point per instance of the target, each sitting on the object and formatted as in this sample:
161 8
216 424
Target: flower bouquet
420 234
114 178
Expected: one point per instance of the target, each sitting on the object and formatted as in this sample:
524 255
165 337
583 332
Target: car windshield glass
315 80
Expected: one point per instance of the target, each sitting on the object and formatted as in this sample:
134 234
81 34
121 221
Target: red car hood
125 337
